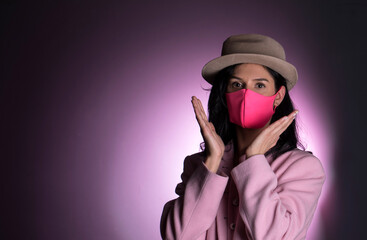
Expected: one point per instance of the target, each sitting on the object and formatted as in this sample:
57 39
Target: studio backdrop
96 115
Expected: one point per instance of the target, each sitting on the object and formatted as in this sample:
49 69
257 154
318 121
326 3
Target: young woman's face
252 76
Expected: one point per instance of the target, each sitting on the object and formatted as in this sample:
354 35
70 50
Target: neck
244 137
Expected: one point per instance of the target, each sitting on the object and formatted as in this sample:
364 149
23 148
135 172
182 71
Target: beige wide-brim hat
252 48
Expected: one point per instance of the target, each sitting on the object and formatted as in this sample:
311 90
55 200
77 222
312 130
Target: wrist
212 163
250 153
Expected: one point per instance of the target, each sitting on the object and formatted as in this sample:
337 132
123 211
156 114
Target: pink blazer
258 199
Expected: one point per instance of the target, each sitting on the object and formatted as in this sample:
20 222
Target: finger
201 118
201 106
207 128
197 106
197 113
202 109
279 126
201 122
275 125
286 122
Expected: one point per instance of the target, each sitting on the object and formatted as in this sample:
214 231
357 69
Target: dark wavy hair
218 112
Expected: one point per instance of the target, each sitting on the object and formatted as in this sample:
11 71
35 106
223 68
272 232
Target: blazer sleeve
193 212
278 207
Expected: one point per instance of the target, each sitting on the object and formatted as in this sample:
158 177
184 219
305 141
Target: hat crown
253 44
251 48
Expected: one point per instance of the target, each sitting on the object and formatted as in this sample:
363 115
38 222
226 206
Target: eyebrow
256 79
236 78
261 79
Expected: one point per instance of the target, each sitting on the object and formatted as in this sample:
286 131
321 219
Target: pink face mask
249 109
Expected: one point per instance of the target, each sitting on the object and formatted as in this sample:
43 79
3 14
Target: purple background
96 116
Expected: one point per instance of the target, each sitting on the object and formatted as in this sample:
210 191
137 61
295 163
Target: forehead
250 71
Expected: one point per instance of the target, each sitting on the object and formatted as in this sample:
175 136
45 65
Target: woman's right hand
214 145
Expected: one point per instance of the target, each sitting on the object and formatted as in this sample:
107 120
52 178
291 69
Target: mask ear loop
275 107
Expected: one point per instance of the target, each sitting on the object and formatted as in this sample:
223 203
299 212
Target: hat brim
287 70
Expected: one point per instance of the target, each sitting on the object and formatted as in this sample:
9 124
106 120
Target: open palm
214 145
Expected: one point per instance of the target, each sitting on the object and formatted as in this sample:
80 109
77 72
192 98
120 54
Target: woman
251 182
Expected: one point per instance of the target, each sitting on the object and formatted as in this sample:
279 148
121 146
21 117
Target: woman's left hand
270 135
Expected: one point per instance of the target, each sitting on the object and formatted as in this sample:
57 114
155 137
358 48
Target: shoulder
300 163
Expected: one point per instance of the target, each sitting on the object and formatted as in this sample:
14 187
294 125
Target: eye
260 85
237 84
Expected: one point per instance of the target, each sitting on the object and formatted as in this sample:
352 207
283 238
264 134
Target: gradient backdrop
96 116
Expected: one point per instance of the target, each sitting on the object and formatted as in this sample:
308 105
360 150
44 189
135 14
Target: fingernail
295 114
